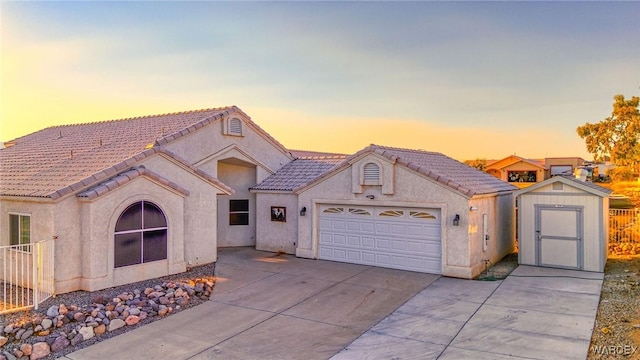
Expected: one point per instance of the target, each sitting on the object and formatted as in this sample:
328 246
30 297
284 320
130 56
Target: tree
480 164
616 137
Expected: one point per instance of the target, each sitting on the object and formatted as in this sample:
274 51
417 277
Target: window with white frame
20 230
140 235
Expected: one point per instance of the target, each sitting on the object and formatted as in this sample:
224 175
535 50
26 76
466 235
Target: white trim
315 222
227 149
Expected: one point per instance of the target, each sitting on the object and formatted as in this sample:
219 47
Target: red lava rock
132 320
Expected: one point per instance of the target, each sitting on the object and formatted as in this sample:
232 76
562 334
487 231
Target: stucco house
517 170
399 208
523 172
138 198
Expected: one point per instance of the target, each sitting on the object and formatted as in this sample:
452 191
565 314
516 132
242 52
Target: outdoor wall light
371 197
473 208
303 211
456 220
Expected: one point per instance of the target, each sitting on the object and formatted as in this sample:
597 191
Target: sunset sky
468 79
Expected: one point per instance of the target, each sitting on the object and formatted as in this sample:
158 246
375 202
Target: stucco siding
277 236
98 237
499 210
240 178
200 214
41 213
410 190
201 145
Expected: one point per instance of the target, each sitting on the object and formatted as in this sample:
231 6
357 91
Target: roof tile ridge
417 151
222 112
125 177
184 112
102 174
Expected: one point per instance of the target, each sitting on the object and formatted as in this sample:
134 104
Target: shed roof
46 163
586 186
438 167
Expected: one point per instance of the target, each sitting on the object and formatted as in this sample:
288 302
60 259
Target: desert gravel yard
616 333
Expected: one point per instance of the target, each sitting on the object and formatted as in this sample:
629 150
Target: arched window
371 174
140 235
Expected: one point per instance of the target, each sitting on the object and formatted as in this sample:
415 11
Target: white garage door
398 238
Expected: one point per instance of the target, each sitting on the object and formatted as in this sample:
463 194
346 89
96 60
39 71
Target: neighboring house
390 207
144 197
525 172
562 166
517 170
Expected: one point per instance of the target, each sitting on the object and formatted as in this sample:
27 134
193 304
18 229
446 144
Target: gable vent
371 172
235 127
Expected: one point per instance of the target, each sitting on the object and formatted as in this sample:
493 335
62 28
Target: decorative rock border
68 325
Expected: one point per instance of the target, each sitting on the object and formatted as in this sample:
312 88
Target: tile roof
304 154
123 178
299 171
436 166
62 159
512 159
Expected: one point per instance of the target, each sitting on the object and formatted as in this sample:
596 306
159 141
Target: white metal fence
26 275
624 231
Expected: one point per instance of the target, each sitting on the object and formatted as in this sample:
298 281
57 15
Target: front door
559 234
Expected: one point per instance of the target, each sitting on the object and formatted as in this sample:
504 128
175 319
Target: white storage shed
563 223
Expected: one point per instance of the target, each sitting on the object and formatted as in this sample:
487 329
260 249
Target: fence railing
26 275
624 231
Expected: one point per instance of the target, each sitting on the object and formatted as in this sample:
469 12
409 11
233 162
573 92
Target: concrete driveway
270 306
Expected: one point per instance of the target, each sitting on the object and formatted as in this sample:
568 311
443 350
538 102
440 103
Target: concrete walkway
270 306
536 313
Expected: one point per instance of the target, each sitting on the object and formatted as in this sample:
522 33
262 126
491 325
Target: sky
473 80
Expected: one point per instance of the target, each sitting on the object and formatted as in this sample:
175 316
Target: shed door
559 237
398 238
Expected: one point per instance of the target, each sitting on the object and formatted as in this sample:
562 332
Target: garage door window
357 211
392 213
140 235
334 210
421 215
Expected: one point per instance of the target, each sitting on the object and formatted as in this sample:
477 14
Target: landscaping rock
60 328
100 329
86 332
53 311
46 323
40 350
132 320
116 324
26 349
60 343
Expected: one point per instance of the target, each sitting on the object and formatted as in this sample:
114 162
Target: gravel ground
81 298
616 334
501 269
